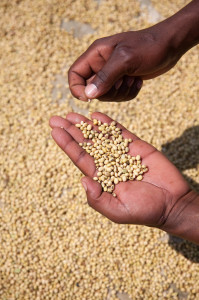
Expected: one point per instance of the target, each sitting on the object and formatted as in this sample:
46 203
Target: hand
112 68
147 202
116 65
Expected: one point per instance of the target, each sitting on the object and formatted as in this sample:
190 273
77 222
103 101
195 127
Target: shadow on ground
184 153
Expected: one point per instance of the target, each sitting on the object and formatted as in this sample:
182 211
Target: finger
123 90
115 67
80 157
78 73
86 66
127 89
133 149
138 146
105 119
77 118
118 91
60 122
104 202
118 83
129 84
77 86
135 88
110 96
126 94
75 132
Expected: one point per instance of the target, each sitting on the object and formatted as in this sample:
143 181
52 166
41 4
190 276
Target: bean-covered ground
52 244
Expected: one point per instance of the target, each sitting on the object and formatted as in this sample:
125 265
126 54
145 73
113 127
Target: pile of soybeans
109 150
53 246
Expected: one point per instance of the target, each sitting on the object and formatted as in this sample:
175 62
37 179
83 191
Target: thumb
96 198
92 188
103 202
105 78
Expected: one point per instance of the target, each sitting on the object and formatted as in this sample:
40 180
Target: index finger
78 73
70 146
77 118
87 65
137 146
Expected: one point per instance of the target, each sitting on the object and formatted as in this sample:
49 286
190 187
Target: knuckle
128 58
70 73
96 43
125 54
81 157
99 42
149 37
72 68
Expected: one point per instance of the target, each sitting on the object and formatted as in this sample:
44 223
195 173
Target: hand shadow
183 152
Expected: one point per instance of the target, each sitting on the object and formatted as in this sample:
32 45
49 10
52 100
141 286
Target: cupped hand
113 68
148 202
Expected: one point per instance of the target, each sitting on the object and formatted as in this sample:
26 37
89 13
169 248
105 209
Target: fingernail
118 84
91 90
139 84
130 81
84 185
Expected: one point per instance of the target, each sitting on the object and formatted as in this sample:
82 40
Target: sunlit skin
147 202
113 69
118 64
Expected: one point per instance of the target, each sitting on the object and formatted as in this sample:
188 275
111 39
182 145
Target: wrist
183 218
183 28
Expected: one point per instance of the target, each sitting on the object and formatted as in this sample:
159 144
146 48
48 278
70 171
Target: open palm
147 202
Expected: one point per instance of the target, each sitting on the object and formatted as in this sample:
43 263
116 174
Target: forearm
183 28
183 219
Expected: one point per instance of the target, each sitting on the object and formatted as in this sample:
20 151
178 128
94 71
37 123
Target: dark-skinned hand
147 202
113 68
117 65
